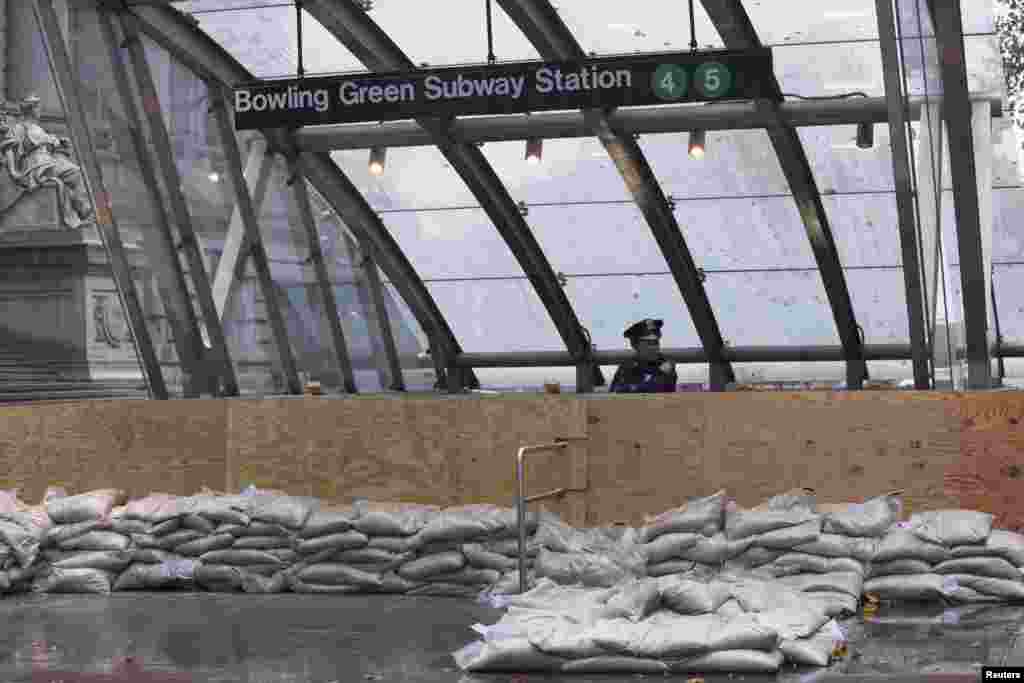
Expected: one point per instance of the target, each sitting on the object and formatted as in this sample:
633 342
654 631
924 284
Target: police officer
649 372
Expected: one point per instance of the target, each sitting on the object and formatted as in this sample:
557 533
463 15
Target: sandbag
755 556
559 637
951 527
445 590
715 550
154 508
391 582
386 519
264 529
962 595
204 545
154 556
813 651
799 563
436 547
793 499
253 583
850 583
198 523
23 540
277 508
671 567
901 544
477 556
110 560
166 527
263 543
917 587
127 527
633 601
176 538
583 568
96 540
994 567
792 621
343 589
327 521
84 506
834 604
347 540
1000 543
665 635
1001 588
731 661
467 576
899 567
667 547
371 556
393 544
745 523
691 597
510 547
696 516
467 522
556 536
834 545
219 578
73 581
610 664
515 655
873 518
141 576
746 632
284 555
238 557
236 530
333 573
65 532
508 584
424 567
789 537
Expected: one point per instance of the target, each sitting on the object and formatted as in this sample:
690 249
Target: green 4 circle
713 79
670 82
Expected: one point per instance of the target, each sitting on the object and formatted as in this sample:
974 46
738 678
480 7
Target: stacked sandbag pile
22 529
83 551
687 537
667 625
589 557
358 549
951 555
155 525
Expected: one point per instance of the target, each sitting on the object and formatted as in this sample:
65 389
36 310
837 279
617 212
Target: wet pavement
203 638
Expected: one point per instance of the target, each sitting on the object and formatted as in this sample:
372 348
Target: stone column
27 69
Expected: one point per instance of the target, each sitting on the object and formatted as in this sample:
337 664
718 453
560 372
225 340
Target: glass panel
571 170
830 20
738 162
1007 151
413 178
417 368
1009 283
1007 238
866 229
745 233
880 304
840 166
812 70
463 38
496 315
596 239
606 306
781 308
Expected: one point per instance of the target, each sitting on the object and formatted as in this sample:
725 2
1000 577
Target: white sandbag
834 545
899 567
141 576
746 632
334 573
110 560
96 540
555 535
731 661
730 609
263 585
154 556
901 544
72 581
789 537
176 538
23 540
791 621
127 527
265 529
154 508
478 556
559 637
220 509
665 635
850 583
794 499
84 506
278 508
347 540
633 601
166 527
610 664
667 547
219 577
692 597
393 544
802 563
388 519
468 522
834 604
436 548
423 568
670 568
917 587
445 590
467 576
758 595
963 595
813 651
146 541
371 556
873 518
204 545
951 527
236 530
328 520
1002 588
64 532
263 543
198 523
582 568
508 584
715 550
1008 545
745 523
756 556
510 547
515 655
238 557
994 567
696 516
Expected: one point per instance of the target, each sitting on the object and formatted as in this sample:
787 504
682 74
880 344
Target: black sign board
609 82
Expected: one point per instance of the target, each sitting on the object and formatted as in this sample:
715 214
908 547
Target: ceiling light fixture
697 140
865 135
214 177
534 150
378 156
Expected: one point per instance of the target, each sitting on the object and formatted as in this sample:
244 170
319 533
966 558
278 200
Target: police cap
645 329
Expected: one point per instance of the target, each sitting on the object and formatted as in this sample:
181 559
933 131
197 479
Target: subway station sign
602 83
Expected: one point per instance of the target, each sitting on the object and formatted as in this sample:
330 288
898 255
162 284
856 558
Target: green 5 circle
670 82
713 79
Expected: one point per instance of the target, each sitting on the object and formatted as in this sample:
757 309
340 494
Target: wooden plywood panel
21 432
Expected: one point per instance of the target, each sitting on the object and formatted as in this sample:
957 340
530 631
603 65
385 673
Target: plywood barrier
643 454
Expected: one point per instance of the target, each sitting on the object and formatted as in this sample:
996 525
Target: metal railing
522 499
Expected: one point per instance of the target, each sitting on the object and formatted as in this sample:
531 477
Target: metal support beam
929 207
158 242
218 351
643 121
351 25
948 24
733 24
231 266
191 47
387 333
375 327
257 250
541 24
904 193
67 82
316 257
981 126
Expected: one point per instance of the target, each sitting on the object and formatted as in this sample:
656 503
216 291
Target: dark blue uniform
644 377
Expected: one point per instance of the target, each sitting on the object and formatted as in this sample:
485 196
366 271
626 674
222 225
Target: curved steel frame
540 22
175 33
350 24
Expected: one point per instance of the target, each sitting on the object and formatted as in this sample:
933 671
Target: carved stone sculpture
34 160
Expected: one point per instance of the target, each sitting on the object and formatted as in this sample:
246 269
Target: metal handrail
522 499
